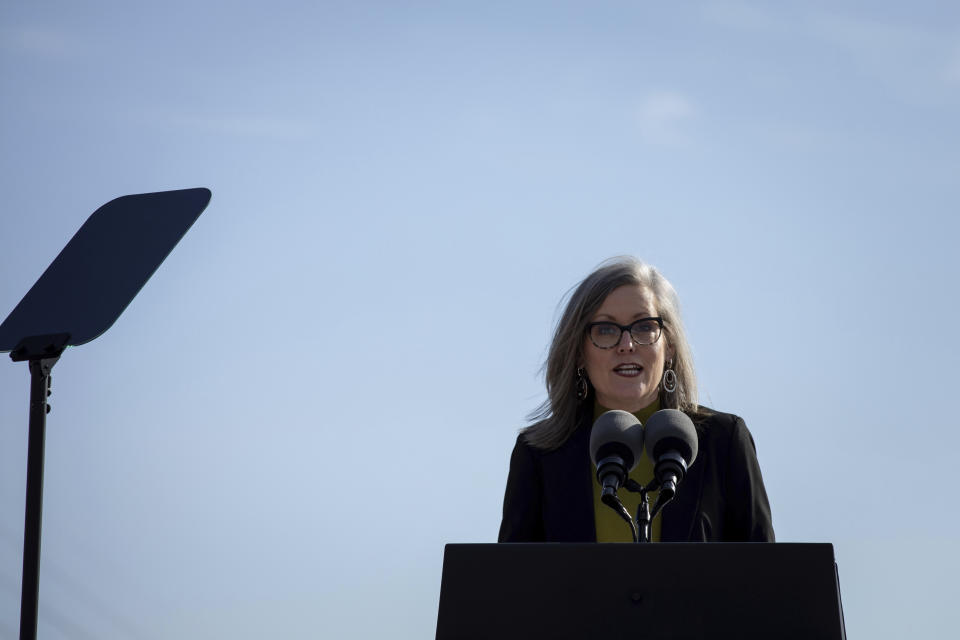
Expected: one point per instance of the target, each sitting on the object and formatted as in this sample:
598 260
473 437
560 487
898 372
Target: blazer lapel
568 490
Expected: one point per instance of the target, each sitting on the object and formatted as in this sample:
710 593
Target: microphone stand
644 516
640 527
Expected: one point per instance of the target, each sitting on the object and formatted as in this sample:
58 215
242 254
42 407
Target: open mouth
628 370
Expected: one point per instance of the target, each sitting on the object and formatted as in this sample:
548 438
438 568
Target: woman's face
626 376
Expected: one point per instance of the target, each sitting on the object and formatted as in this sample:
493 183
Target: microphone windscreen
617 433
670 429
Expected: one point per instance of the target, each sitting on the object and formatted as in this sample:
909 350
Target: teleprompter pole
41 352
29 595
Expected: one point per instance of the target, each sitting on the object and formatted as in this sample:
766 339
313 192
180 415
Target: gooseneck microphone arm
612 501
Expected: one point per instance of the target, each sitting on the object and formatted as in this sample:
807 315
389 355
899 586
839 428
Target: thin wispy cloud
879 41
951 72
663 116
42 42
742 16
238 125
911 57
915 61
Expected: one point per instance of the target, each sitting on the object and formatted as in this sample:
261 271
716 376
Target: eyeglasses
607 335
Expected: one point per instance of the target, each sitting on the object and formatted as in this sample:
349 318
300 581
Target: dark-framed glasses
606 335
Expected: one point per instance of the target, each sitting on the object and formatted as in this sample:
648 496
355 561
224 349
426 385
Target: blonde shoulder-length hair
558 417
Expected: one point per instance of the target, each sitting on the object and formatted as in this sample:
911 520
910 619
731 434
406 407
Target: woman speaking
620 344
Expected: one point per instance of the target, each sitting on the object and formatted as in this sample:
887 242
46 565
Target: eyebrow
609 317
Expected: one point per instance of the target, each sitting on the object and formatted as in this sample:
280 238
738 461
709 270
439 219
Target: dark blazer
549 495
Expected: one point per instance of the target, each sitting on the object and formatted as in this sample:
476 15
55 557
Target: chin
629 403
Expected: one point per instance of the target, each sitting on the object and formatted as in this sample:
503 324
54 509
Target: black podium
675 591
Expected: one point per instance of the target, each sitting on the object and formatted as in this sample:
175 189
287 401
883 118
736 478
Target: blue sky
321 386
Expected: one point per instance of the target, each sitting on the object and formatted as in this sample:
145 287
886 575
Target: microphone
616 444
672 445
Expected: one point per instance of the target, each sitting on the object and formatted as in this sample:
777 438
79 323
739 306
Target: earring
669 378
581 385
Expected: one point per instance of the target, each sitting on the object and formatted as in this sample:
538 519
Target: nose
625 346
